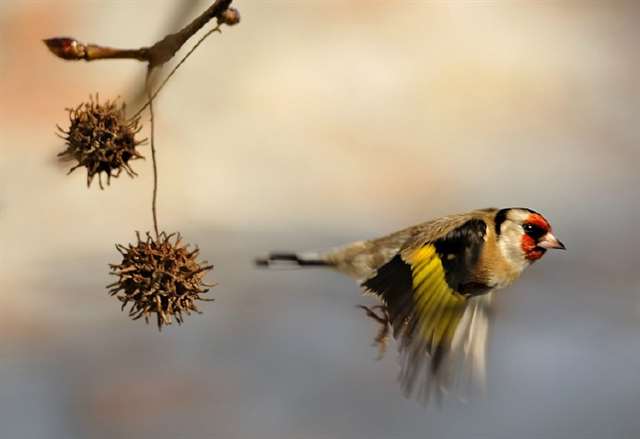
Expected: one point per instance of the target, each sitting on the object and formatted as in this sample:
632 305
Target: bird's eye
534 231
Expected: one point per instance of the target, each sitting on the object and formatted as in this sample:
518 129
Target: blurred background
309 125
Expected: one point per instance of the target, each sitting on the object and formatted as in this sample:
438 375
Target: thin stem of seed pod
152 96
154 210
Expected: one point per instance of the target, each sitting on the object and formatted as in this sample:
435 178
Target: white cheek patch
509 245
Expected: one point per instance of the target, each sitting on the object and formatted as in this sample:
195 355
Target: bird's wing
422 287
362 259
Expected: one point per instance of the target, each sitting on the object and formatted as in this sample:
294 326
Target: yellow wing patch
438 307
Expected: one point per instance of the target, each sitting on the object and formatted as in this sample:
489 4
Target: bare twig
182 12
154 202
153 95
156 55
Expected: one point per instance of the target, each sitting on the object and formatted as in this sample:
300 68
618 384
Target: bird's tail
291 260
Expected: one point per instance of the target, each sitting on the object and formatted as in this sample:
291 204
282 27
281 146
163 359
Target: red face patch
530 248
538 220
535 227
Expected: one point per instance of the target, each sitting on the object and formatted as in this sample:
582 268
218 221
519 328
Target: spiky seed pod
160 276
101 139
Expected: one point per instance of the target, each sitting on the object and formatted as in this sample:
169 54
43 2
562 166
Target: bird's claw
383 333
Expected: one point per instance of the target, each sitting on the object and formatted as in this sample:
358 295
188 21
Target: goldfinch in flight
435 282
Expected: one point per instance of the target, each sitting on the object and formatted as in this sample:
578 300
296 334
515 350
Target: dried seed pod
160 276
101 139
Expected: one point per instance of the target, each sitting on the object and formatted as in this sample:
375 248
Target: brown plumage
434 281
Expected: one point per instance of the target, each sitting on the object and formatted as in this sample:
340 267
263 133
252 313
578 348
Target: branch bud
66 48
230 17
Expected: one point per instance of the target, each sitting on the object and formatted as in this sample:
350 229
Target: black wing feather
410 309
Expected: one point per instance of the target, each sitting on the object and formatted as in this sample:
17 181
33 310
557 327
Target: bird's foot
383 333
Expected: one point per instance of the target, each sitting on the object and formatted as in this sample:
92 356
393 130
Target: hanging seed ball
101 139
160 276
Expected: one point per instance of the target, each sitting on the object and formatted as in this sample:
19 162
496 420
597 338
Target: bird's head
524 235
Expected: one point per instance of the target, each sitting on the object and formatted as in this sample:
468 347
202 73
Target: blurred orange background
308 125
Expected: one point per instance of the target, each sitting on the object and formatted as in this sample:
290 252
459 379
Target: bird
435 284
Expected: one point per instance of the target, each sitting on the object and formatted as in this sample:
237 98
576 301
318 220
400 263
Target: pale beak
550 241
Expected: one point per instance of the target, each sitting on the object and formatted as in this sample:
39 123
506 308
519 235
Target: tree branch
156 55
